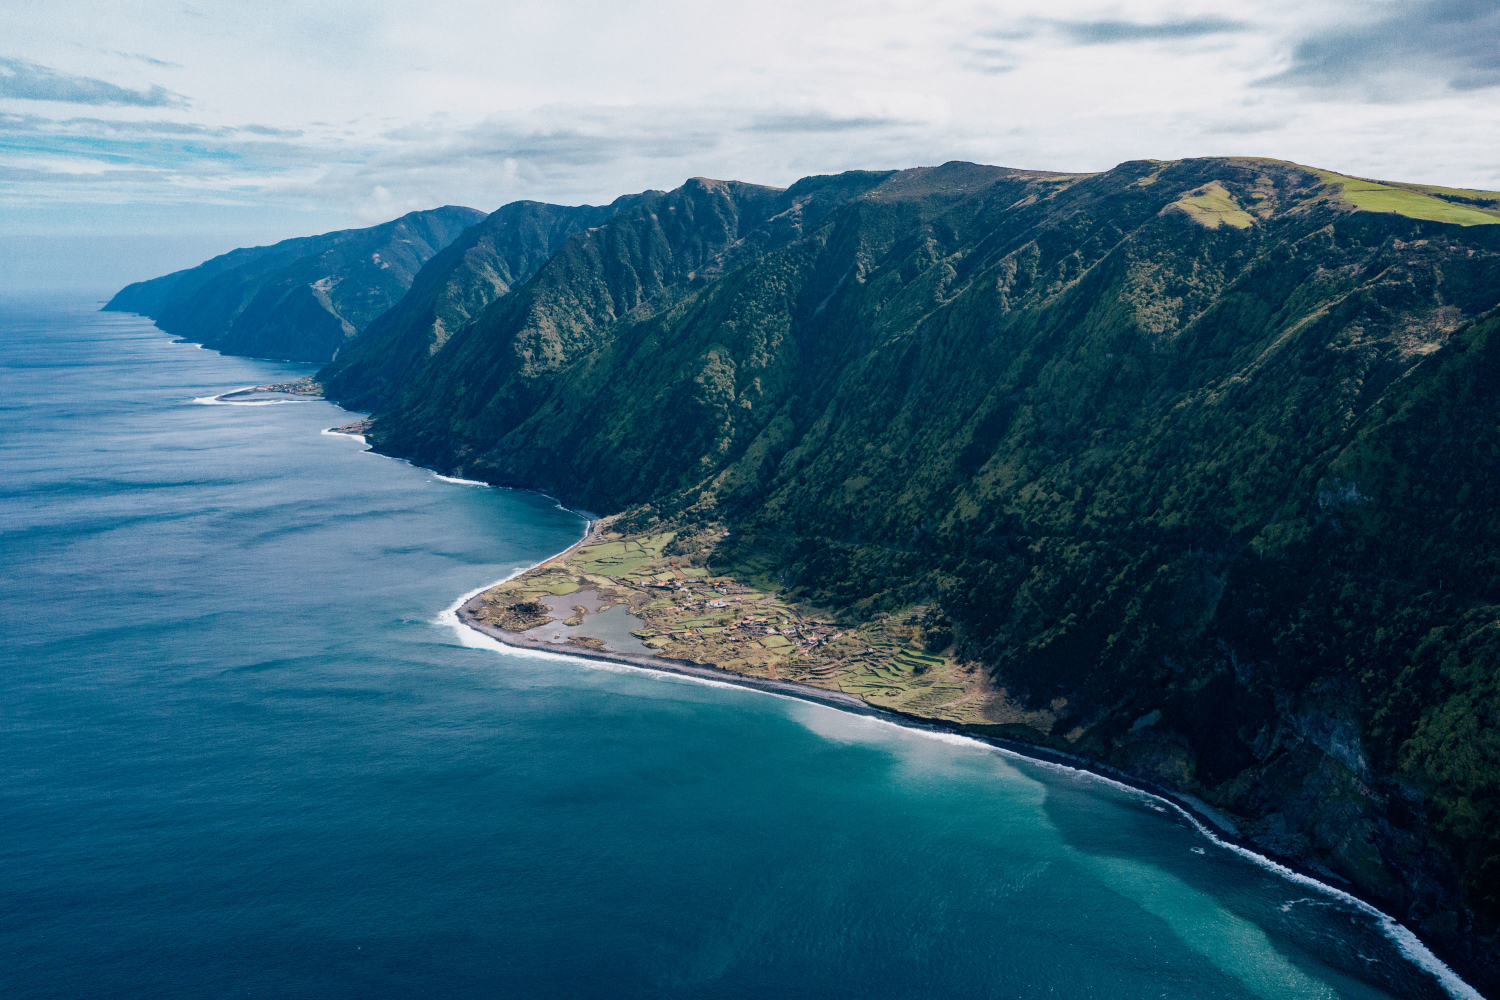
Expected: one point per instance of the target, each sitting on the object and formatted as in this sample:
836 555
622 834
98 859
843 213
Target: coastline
303 390
685 668
1204 818
1207 821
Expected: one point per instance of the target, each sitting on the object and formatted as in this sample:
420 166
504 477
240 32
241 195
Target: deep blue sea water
243 757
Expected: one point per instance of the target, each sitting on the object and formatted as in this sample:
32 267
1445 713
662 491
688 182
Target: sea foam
219 401
345 434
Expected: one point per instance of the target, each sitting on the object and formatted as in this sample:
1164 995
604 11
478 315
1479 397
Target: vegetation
1213 206
687 613
1419 201
455 287
300 299
1190 467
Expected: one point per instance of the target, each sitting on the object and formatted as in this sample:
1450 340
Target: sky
137 136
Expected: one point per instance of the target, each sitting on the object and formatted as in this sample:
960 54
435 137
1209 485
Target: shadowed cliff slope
300 299
664 251
1201 458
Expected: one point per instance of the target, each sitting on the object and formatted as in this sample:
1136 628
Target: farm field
688 614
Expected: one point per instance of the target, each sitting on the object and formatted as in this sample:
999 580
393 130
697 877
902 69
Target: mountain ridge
300 299
485 263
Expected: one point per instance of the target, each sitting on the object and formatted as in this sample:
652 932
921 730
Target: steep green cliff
1201 458
486 262
300 299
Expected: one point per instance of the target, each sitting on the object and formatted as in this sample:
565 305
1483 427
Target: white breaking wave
344 434
216 401
220 401
475 639
1405 941
472 637
461 482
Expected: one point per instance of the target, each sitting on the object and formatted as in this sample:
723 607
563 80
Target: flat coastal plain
650 600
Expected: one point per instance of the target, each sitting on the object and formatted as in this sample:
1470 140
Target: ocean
248 753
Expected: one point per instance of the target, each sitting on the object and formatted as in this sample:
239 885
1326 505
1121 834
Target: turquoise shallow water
243 757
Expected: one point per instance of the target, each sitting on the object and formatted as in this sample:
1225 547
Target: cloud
993 51
479 104
27 81
1454 42
97 160
551 142
987 57
816 122
137 56
1247 126
1111 32
289 133
13 124
148 60
569 153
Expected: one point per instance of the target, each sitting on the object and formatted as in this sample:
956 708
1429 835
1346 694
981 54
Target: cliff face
1202 458
455 286
300 299
662 251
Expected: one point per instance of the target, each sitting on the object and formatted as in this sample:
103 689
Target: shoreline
1203 817
686 668
297 391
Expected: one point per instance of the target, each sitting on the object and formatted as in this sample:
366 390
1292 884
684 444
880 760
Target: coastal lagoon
247 754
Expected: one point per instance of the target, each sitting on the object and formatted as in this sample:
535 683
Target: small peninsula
684 614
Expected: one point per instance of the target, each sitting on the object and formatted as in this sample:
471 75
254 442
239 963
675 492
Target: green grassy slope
1417 201
1211 443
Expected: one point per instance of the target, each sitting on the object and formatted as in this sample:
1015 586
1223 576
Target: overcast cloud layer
284 118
